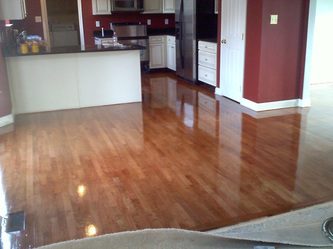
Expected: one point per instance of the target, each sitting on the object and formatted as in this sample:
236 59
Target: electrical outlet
98 24
274 19
166 21
38 19
148 22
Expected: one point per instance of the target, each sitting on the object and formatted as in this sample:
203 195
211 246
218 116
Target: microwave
127 5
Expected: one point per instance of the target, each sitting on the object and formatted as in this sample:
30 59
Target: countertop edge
74 51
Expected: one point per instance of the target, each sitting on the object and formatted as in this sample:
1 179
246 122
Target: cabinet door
168 6
101 7
216 6
12 9
153 6
171 57
157 55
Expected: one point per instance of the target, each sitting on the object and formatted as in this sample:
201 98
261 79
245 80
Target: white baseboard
258 107
304 102
6 120
218 91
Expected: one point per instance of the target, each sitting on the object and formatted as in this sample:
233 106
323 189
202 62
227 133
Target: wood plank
183 158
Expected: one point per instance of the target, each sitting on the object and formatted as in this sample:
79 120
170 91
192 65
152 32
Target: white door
233 48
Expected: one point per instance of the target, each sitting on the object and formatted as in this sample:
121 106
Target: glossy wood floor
182 159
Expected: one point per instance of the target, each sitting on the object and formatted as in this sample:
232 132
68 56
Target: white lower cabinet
207 75
162 52
157 52
171 52
207 61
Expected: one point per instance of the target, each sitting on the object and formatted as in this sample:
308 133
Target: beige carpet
297 229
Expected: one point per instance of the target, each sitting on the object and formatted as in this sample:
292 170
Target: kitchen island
74 78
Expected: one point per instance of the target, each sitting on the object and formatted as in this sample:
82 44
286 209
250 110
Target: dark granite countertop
208 40
168 31
76 49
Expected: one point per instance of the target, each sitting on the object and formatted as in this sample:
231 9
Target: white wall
323 43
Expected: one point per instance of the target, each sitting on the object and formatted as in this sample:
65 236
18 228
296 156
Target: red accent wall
34 9
5 104
29 24
274 62
89 20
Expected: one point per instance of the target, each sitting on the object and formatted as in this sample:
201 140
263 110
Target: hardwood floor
184 159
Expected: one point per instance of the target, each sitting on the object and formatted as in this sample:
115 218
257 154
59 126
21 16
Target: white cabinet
159 6
162 52
153 6
12 9
157 52
101 7
168 6
171 52
207 61
216 6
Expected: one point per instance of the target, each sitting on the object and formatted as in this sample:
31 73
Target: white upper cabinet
101 7
169 6
153 6
12 9
216 7
159 6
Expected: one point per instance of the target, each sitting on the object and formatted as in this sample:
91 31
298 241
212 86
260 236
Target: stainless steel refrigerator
186 39
195 19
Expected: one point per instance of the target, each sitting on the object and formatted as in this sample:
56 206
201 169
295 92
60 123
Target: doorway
318 72
62 23
323 40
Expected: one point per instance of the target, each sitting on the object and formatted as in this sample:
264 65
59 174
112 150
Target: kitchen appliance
127 5
195 19
63 35
8 38
133 33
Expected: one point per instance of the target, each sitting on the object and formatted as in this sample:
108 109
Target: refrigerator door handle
181 35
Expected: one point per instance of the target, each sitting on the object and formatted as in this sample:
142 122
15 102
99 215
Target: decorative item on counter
24 48
30 43
8 38
35 47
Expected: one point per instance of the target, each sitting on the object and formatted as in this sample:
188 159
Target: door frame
81 27
305 100
45 22
218 89
305 96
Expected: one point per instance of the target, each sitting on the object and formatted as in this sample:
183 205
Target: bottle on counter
35 47
24 48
